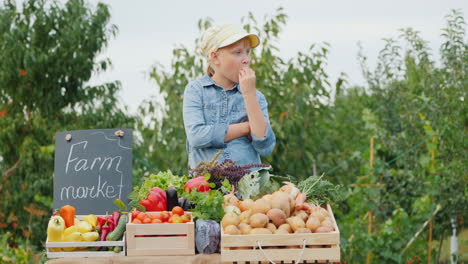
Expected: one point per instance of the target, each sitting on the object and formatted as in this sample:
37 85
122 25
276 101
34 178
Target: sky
150 29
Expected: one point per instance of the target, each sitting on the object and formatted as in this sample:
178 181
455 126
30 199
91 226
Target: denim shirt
208 110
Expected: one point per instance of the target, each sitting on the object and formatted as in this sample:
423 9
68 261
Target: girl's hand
247 81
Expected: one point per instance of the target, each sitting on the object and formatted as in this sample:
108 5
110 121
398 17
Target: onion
230 199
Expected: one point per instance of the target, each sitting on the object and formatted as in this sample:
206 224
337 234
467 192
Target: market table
196 259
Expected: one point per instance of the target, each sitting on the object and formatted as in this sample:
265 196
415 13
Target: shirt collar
206 81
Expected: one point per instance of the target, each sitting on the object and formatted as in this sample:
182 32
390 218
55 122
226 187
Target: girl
223 109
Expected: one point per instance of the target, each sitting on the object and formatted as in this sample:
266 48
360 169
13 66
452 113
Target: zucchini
119 229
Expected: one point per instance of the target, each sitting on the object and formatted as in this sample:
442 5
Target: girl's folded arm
265 145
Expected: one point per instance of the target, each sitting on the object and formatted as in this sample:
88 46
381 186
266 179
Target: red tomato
165 216
185 218
177 219
135 213
158 216
141 216
147 220
178 210
156 221
136 221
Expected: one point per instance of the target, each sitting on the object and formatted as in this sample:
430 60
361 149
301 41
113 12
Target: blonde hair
209 69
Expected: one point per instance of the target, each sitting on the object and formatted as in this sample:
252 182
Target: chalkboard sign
92 169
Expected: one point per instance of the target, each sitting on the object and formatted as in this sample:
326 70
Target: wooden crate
84 252
161 239
320 247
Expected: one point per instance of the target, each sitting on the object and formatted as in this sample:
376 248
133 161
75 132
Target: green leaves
48 52
207 205
320 191
120 204
53 47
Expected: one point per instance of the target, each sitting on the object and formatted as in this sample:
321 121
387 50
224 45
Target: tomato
165 216
177 219
170 219
136 221
178 210
185 218
135 213
158 216
147 220
141 216
156 221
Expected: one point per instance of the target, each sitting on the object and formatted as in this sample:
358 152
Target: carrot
307 207
300 199
67 212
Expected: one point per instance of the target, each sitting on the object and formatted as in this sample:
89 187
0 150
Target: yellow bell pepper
70 230
91 219
55 229
90 236
84 227
73 237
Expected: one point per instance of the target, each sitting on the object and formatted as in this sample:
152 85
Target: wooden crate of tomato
161 233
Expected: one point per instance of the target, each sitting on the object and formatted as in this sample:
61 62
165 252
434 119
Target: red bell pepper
101 220
116 217
104 231
199 183
155 197
159 191
156 200
111 223
150 206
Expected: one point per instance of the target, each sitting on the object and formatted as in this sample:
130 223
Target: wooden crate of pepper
84 249
170 239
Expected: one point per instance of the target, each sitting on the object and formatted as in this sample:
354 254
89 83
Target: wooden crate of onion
278 227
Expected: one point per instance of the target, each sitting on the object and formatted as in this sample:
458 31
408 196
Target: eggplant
184 203
172 200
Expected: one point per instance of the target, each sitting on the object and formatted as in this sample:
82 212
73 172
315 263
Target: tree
416 115
48 54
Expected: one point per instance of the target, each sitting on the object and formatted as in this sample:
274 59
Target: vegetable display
91 228
285 211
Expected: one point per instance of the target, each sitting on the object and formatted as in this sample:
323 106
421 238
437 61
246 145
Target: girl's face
230 59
